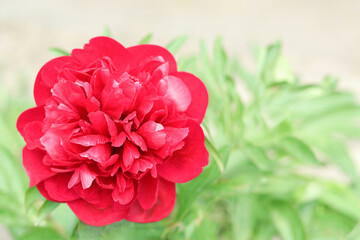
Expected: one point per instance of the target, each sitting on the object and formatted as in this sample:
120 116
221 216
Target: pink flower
113 130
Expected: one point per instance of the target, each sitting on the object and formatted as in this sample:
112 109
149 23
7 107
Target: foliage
272 140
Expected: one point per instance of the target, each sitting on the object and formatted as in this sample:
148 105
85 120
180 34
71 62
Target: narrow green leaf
121 231
258 156
175 45
40 233
146 39
299 150
287 221
220 59
58 52
243 216
342 199
106 32
12 173
45 210
206 230
188 192
355 233
32 195
65 219
215 154
338 154
235 162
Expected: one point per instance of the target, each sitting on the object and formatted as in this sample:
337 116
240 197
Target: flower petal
91 215
187 163
43 191
52 141
130 153
48 77
100 47
162 208
178 93
32 133
144 53
90 140
57 188
148 191
28 116
102 123
34 167
199 95
99 153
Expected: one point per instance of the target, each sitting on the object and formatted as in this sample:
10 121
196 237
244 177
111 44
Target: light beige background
320 36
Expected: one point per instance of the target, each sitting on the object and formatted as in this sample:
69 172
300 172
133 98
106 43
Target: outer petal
187 163
43 191
100 47
32 133
57 188
97 216
162 208
199 95
34 167
148 191
143 53
178 93
48 77
28 116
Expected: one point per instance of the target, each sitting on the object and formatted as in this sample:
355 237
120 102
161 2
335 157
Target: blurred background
319 37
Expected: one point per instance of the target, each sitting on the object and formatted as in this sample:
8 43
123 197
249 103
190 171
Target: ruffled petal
102 47
148 191
199 95
57 188
188 162
178 93
91 215
43 191
34 167
32 134
162 208
28 116
144 53
48 77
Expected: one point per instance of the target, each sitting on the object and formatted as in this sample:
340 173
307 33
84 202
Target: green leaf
146 39
235 162
342 199
40 233
12 175
206 230
299 150
338 154
65 218
258 156
106 32
188 192
45 210
32 195
287 221
243 216
355 233
58 52
220 59
121 231
175 45
215 154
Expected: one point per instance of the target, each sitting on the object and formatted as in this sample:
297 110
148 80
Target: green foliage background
269 137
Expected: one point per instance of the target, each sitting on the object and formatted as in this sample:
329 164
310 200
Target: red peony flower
113 130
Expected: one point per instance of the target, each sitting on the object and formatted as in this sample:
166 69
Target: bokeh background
320 37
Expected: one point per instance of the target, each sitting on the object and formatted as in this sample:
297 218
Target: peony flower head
113 130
